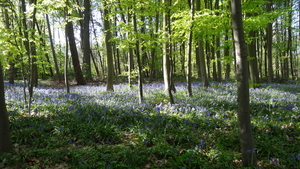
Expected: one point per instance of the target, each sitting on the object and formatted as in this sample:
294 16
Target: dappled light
93 128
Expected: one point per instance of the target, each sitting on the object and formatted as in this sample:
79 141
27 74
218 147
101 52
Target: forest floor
93 128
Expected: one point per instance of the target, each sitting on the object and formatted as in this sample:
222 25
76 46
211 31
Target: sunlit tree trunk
66 64
244 121
166 50
189 55
218 51
269 47
109 52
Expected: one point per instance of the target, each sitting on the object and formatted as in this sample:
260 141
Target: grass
93 128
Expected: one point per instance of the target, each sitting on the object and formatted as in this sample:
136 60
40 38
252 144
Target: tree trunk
226 54
11 61
218 52
33 70
109 52
140 74
53 50
86 40
269 46
201 55
166 51
5 141
189 55
95 65
244 121
66 64
289 45
253 61
75 58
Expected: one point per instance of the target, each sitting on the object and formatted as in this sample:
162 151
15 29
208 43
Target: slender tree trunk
11 61
53 50
33 70
226 54
244 121
140 74
219 65
182 60
98 51
208 57
66 63
213 57
218 51
253 61
290 43
109 52
130 52
95 65
189 55
5 139
269 46
202 54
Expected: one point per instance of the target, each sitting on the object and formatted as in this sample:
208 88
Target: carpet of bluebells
93 128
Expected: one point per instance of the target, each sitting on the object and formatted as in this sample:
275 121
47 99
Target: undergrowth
93 128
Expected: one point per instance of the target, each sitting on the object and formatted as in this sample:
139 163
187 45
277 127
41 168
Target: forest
149 84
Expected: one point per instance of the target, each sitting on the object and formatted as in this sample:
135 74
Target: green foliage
99 129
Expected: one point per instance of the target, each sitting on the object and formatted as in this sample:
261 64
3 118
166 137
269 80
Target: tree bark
140 74
190 46
53 50
109 52
86 40
11 61
5 139
244 122
269 46
75 58
166 50
226 54
253 61
201 55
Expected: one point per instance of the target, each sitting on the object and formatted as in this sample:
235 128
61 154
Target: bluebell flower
274 161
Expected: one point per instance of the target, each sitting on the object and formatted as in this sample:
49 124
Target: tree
5 141
74 53
269 47
166 50
253 61
244 122
109 52
200 51
137 51
86 40
52 49
189 55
